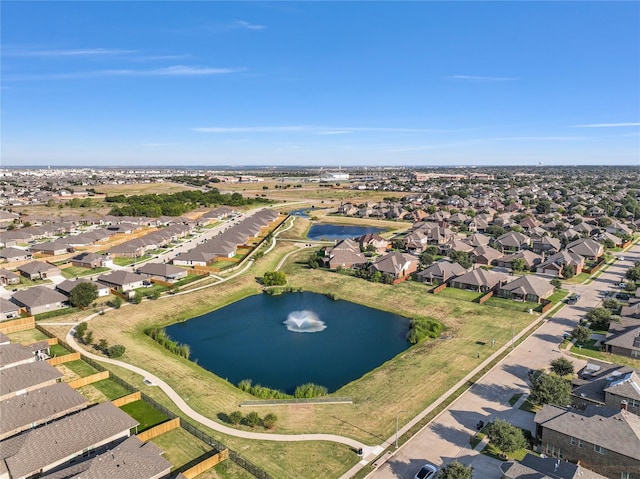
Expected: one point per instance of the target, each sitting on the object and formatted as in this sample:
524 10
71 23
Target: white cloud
248 26
482 78
606 125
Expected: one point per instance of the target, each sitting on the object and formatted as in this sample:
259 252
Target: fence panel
158 430
94 378
63 359
207 464
15 325
129 398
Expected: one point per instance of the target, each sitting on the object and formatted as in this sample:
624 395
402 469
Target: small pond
287 340
327 231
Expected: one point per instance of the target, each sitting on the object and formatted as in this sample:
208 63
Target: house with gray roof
47 447
511 242
485 255
606 384
67 286
546 245
623 338
90 260
12 355
14 254
40 299
194 258
480 280
38 270
397 265
51 248
163 272
8 277
604 440
122 280
554 265
31 409
27 377
440 272
530 258
8 310
527 288
537 467
586 247
130 458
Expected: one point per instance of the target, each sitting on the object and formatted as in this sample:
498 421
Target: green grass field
145 414
81 368
76 271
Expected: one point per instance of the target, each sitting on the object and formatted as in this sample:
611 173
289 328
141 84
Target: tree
103 345
80 330
83 294
599 317
456 470
426 259
568 271
562 366
550 389
611 304
398 244
88 337
633 273
556 283
235 417
519 265
581 334
462 258
252 419
116 351
137 297
269 421
505 436
116 302
274 278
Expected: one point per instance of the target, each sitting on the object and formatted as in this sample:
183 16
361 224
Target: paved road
447 437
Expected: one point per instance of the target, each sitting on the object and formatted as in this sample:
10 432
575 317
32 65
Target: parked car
428 471
573 299
620 258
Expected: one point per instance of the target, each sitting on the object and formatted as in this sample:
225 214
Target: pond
287 340
327 231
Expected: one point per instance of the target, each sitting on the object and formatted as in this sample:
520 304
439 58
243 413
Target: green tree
581 334
519 265
103 345
426 259
252 419
556 283
235 417
269 421
274 278
562 366
88 337
599 317
550 389
568 271
116 302
137 297
462 258
456 470
83 294
80 330
116 351
506 437
611 304
633 273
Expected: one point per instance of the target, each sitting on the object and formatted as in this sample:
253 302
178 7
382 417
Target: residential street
447 437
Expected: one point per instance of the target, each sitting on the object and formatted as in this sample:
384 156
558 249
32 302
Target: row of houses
49 430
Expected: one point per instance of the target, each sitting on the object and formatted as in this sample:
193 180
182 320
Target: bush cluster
422 328
253 419
160 336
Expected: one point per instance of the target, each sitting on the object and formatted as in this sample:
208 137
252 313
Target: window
573 441
599 449
580 443
554 451
633 402
626 475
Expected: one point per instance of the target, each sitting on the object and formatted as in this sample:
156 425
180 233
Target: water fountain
304 322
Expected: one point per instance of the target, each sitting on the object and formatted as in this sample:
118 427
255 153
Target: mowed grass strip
28 336
180 447
144 413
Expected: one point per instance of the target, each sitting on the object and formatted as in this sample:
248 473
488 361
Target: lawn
378 396
522 306
180 447
110 388
28 336
121 261
460 294
145 414
81 368
588 349
57 350
76 271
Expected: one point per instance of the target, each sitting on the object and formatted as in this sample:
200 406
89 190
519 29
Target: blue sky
320 83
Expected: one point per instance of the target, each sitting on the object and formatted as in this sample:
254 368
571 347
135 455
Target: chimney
623 405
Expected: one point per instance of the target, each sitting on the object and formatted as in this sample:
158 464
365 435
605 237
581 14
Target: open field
143 188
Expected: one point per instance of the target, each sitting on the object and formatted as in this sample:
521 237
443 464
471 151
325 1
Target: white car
620 258
428 471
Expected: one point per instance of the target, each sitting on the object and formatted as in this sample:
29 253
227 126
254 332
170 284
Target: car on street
573 299
428 471
620 258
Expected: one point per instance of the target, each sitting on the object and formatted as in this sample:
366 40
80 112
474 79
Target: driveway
447 437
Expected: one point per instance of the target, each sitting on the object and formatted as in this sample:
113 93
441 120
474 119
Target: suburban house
527 288
40 299
90 260
511 242
554 265
220 246
163 272
586 247
372 240
194 258
8 277
24 378
398 265
122 280
345 254
440 272
546 245
14 254
537 467
67 286
605 440
477 239
38 270
623 338
479 280
51 248
610 237
606 384
485 255
8 310
130 249
530 258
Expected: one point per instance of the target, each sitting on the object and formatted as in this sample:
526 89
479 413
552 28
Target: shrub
505 436
309 390
235 417
116 351
269 421
456 470
252 419
160 336
422 328
80 330
562 366
550 389
261 392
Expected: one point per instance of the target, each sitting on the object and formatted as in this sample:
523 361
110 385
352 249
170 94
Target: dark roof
38 296
25 376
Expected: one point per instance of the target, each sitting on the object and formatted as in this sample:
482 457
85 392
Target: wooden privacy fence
437 289
485 297
207 464
156 431
15 325
129 398
63 359
52 341
94 378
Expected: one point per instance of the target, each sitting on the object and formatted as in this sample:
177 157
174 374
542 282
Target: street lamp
397 417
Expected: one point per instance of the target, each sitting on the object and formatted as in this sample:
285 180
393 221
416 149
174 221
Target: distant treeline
176 204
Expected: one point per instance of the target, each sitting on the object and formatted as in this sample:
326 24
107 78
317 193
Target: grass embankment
398 385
